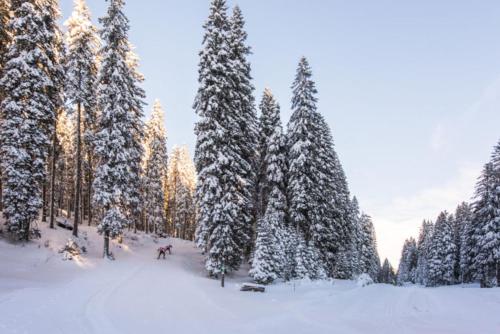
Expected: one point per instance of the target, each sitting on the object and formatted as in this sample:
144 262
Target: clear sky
411 89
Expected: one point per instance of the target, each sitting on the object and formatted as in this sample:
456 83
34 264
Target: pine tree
117 135
307 203
423 249
155 170
55 50
354 252
223 188
28 112
269 262
269 119
463 222
407 270
134 199
246 133
334 239
81 77
387 274
5 39
369 259
181 184
486 224
441 257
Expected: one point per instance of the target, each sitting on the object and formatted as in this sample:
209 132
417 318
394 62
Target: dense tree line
463 247
73 142
291 218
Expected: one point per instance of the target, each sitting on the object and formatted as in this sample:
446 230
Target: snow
41 293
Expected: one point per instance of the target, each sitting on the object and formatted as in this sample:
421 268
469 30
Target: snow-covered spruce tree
369 259
28 111
81 76
463 223
55 50
486 224
155 171
269 119
336 241
185 213
5 39
441 257
310 174
117 134
246 134
407 270
134 195
269 261
354 252
64 185
387 274
180 189
423 248
224 186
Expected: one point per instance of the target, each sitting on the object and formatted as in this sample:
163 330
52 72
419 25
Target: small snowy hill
41 293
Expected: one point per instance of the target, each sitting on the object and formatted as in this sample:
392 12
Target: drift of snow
41 293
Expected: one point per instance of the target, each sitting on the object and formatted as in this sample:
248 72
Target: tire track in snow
95 307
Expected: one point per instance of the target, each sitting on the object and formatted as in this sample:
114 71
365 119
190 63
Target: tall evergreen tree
301 152
387 274
309 200
463 222
155 170
134 199
245 134
369 260
223 180
5 39
269 260
486 224
81 77
407 270
354 252
55 50
423 248
269 119
28 111
181 184
442 252
116 138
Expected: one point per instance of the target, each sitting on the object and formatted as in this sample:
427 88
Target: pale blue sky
411 89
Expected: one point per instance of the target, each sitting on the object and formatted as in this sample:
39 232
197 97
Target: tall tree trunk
78 174
89 190
53 177
27 232
1 192
44 201
106 244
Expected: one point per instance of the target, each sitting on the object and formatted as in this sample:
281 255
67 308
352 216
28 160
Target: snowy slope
40 293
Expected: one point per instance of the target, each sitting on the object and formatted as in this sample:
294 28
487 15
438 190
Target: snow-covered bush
71 250
364 280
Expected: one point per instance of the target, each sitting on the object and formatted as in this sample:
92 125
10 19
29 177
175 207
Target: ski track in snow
137 293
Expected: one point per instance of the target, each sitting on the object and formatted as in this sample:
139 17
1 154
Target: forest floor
136 293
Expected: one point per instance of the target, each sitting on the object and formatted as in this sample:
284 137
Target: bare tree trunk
106 244
44 201
53 177
1 192
89 190
78 176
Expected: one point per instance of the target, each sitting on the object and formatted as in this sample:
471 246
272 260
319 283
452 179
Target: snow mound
364 280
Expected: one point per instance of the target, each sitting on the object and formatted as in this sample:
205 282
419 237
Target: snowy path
139 294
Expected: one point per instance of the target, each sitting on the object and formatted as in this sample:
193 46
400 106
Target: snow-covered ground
41 293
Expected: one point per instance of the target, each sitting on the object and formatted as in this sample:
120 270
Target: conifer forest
142 232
